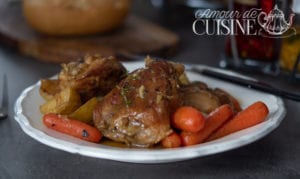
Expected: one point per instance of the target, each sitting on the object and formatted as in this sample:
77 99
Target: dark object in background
253 52
181 11
194 4
249 83
4 99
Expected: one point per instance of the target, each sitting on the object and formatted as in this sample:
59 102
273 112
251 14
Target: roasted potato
65 102
49 88
204 101
85 112
198 95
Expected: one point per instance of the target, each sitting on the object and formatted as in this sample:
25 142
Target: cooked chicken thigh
137 111
95 76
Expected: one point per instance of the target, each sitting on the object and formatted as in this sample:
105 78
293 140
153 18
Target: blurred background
65 30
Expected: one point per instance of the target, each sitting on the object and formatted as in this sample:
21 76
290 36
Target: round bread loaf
75 17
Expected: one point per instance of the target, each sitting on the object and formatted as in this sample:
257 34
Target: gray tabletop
275 156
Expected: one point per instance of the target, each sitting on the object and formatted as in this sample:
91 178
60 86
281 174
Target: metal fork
4 102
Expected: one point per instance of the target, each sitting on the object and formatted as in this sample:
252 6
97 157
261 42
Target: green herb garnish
124 91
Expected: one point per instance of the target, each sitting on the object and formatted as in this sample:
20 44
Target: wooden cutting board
136 36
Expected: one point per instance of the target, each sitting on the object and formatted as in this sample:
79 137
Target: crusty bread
75 17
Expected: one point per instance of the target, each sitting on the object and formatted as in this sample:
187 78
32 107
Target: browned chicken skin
95 76
137 111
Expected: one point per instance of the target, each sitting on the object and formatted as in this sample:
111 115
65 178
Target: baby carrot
188 119
252 115
72 127
171 141
213 121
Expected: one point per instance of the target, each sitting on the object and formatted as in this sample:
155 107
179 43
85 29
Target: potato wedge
49 88
65 102
85 112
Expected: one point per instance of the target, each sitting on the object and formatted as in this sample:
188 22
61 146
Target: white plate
28 116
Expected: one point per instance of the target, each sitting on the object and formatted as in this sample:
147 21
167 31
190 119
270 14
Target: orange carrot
188 119
72 127
252 115
213 121
171 141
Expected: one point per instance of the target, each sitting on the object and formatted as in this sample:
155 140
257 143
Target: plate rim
134 155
